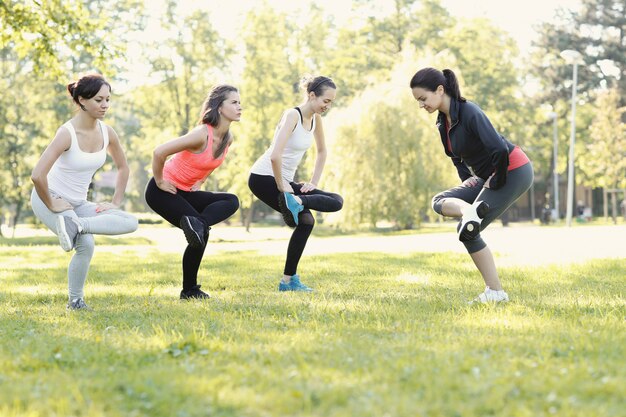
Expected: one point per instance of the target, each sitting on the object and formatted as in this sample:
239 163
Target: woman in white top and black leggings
272 175
62 177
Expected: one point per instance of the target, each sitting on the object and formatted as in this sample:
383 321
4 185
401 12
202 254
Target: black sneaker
196 232
194 293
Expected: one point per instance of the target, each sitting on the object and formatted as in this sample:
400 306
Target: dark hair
316 84
210 113
87 87
431 78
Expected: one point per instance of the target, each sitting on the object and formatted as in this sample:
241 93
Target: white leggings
109 222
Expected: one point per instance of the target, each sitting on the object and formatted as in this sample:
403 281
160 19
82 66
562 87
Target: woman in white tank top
272 175
63 174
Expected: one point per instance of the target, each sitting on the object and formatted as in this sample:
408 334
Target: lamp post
571 57
555 172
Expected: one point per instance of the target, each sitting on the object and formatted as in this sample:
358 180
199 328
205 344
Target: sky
516 17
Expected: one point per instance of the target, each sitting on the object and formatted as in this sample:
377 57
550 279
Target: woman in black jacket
493 171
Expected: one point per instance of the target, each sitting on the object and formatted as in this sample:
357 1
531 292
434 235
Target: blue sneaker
294 285
289 208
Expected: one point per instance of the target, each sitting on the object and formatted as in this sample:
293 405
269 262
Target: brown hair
431 78
317 84
210 111
87 87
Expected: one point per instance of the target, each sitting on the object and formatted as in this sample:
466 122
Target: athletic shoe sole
203 296
284 210
64 238
193 238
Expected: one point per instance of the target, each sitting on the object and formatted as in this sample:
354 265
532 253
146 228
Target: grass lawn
382 336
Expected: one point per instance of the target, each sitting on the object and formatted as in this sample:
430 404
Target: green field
381 336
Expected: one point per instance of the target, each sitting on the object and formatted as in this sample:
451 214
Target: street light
555 172
571 57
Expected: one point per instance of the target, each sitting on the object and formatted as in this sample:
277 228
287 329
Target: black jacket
475 143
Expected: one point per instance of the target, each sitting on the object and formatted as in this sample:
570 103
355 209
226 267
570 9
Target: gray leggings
110 222
518 181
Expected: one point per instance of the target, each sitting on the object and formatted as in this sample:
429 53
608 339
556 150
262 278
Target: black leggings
518 181
264 187
210 207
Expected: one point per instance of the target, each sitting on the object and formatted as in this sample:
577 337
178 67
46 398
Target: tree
26 122
188 62
602 162
598 32
266 91
39 39
41 32
386 158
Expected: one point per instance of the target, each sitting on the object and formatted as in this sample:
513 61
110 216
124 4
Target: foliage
603 159
43 42
597 32
388 160
27 123
365 55
38 31
188 63
268 88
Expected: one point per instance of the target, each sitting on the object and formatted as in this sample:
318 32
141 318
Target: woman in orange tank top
174 192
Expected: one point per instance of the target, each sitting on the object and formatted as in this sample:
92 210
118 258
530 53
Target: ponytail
452 85
431 78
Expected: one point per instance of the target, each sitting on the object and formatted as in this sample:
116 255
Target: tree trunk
614 206
605 206
249 216
18 211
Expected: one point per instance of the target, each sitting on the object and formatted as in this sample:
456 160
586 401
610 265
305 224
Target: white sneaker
67 231
491 296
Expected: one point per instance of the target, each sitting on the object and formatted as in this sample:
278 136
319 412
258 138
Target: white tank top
71 174
298 143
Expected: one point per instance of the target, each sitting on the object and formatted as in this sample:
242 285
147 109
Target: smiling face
429 100
231 107
321 104
98 105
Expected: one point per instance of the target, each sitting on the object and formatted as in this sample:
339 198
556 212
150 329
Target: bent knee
85 244
234 202
306 220
133 224
437 203
338 202
129 222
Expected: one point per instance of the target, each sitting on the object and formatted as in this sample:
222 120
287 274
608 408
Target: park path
514 245
518 244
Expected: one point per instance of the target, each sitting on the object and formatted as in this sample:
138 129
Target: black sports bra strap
300 113
302 118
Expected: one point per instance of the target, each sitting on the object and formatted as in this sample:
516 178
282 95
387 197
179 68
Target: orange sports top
186 168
